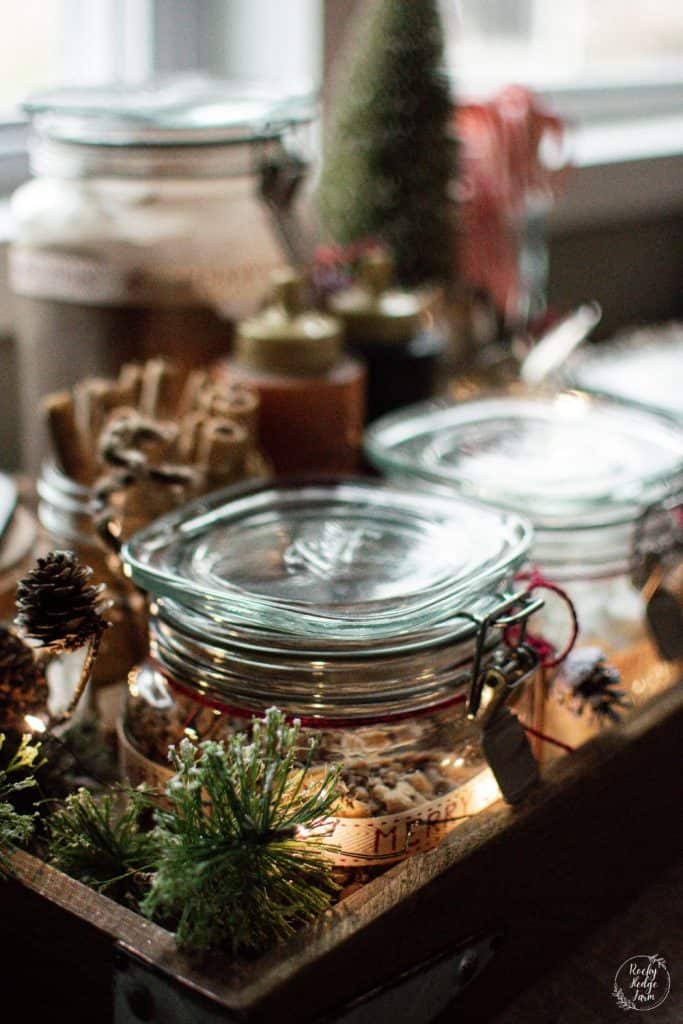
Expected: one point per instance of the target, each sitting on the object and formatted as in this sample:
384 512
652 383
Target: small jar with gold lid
312 395
393 333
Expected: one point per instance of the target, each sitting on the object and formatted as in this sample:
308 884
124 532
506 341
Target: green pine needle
235 874
99 841
15 828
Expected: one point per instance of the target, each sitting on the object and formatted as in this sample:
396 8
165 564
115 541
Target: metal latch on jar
658 574
504 741
513 610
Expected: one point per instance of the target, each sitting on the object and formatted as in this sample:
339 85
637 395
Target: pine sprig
15 828
100 841
236 873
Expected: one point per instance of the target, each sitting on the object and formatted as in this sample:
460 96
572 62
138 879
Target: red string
545 650
547 739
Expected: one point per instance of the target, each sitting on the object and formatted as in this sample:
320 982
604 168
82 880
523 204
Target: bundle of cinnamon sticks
150 439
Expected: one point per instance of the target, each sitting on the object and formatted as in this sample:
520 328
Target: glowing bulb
34 723
459 762
485 791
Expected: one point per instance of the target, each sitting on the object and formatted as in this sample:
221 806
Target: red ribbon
546 651
545 738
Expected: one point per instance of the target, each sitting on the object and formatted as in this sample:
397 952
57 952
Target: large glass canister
152 222
373 615
602 483
643 366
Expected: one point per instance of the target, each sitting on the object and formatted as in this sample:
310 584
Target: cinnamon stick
75 459
160 388
222 451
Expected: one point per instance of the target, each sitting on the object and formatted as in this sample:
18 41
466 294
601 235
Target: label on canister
90 280
70 277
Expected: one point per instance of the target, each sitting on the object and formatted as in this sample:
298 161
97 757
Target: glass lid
644 366
181 110
564 460
330 560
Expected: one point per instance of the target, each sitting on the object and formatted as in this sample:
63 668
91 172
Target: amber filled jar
312 395
602 483
368 613
391 331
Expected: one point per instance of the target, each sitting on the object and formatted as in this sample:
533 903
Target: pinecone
589 683
23 687
57 606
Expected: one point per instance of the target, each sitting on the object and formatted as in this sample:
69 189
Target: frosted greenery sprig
15 828
99 841
239 870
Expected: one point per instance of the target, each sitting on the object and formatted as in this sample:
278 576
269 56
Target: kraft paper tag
664 612
508 752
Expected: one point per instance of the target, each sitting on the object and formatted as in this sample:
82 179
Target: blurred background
612 72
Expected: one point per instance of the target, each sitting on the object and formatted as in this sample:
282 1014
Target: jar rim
174 127
172 110
483 448
328 561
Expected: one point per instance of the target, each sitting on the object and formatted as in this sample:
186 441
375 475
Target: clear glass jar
591 475
153 220
17 538
643 366
364 611
66 521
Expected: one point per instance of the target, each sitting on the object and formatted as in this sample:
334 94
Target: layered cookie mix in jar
602 483
372 615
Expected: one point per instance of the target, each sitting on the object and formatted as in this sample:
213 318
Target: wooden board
602 824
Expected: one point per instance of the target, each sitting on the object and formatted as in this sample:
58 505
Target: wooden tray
448 935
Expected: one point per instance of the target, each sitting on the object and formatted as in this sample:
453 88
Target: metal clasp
657 540
507 670
510 667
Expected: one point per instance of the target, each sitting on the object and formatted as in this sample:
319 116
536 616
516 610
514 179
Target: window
71 42
596 59
552 42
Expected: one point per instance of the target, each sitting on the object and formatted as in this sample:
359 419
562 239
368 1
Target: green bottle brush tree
390 157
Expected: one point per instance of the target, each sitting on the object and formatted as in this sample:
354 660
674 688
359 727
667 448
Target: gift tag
664 612
508 752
